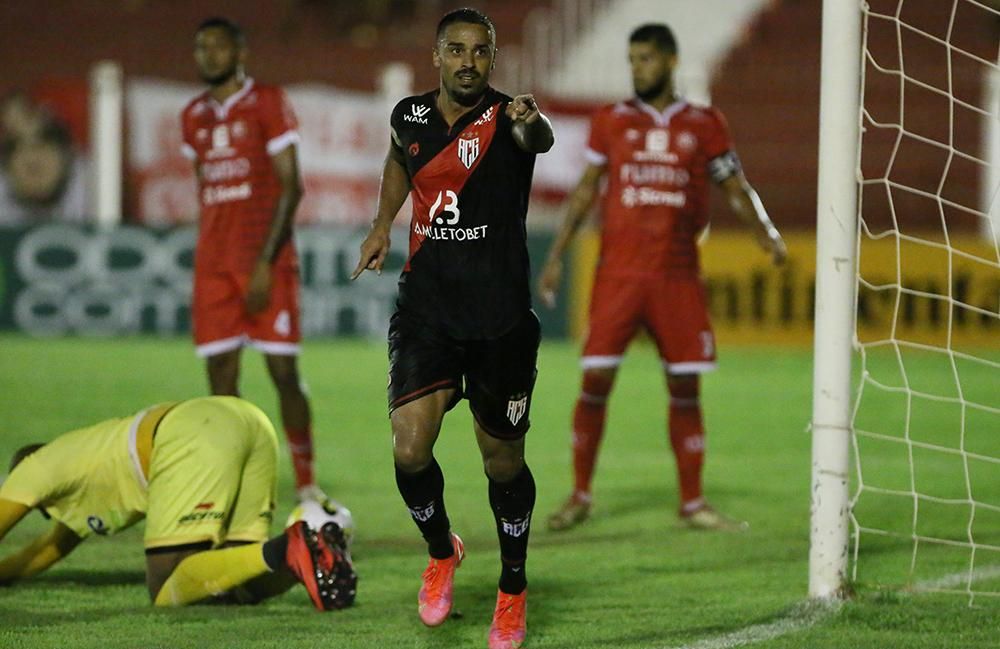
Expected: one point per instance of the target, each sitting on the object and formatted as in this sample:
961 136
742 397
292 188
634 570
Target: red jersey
656 200
232 143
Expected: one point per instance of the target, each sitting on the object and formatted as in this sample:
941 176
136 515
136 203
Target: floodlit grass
629 578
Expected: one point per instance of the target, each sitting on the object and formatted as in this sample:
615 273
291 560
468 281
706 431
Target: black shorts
498 375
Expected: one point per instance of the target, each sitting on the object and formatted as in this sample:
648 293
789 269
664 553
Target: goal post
905 452
836 260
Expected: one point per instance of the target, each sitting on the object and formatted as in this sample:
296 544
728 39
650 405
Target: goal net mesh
925 492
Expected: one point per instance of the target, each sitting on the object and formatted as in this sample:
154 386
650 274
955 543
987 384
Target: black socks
512 503
423 493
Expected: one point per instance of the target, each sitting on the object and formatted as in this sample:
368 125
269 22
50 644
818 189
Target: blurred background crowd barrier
90 135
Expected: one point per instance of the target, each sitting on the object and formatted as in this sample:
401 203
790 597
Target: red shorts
221 322
672 310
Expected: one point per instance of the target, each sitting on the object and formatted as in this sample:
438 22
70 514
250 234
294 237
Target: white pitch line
810 613
804 616
957 579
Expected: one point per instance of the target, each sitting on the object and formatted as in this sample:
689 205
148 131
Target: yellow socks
211 573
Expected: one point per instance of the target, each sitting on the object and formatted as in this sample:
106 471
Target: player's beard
654 90
468 96
216 80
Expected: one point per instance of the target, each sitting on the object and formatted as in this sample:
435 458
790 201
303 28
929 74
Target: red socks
301 446
687 437
588 428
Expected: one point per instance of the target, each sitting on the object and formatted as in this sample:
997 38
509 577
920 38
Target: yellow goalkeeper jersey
92 480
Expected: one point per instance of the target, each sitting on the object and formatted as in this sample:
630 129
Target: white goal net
925 480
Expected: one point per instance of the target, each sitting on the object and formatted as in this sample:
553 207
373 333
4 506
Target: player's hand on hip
259 288
374 250
523 109
548 282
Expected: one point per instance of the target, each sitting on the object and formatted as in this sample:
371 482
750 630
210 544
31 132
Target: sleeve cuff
595 158
278 144
188 151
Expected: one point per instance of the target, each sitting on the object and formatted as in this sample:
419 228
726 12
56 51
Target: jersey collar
661 119
222 110
473 114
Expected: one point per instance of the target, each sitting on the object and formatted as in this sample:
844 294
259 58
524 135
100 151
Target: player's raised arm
531 130
393 189
747 206
286 168
581 199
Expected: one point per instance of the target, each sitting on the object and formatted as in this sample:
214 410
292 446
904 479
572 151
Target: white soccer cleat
707 517
317 513
312 492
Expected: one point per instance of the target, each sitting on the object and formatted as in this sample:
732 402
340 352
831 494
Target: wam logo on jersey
468 150
516 409
418 114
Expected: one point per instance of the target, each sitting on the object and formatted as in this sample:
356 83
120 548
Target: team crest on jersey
516 409
687 141
468 150
239 129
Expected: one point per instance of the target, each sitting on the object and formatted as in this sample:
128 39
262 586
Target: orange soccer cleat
321 563
434 599
509 621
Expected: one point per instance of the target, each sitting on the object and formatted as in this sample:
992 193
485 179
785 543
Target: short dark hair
466 15
22 453
656 33
232 30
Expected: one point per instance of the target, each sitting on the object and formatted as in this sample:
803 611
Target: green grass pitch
630 578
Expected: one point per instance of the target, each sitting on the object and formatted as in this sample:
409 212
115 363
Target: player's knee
411 451
504 464
410 458
223 373
597 384
285 375
683 386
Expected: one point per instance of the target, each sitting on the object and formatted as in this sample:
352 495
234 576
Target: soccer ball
316 514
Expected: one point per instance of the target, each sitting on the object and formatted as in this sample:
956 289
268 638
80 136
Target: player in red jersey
658 153
241 136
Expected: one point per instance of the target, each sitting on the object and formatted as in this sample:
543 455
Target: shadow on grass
93 577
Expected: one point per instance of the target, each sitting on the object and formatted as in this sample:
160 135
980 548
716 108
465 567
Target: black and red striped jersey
467 269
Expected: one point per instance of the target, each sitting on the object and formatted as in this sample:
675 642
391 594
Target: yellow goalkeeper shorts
211 474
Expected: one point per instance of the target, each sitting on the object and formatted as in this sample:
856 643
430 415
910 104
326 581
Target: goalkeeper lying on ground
202 473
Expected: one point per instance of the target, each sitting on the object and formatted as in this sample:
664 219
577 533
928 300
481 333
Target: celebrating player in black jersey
466 154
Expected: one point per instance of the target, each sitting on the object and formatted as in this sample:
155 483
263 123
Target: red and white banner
345 137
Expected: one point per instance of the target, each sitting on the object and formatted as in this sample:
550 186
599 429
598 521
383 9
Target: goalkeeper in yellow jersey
202 474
